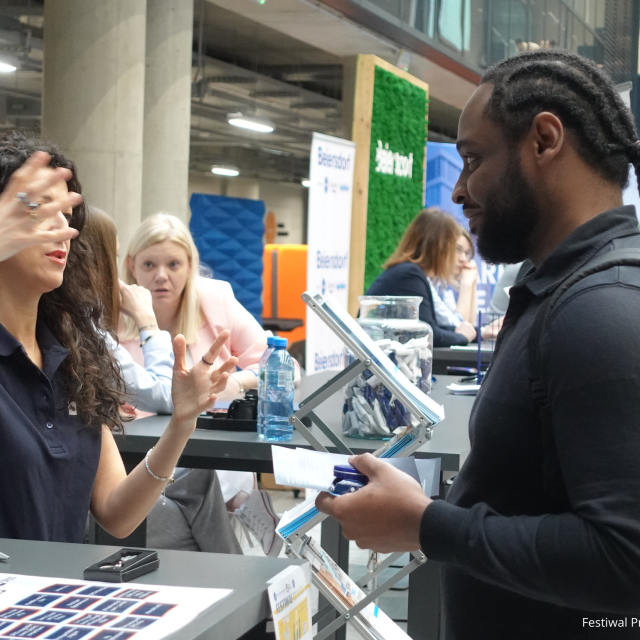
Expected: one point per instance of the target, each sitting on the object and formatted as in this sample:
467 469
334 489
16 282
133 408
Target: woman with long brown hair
148 385
60 388
192 515
426 256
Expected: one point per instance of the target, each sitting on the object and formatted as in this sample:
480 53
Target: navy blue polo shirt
48 458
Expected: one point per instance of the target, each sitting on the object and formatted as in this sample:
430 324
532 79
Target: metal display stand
425 413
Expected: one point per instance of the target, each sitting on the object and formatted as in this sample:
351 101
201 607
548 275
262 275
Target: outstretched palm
194 390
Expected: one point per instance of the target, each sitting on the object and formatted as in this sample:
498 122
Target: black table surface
230 618
247 452
444 357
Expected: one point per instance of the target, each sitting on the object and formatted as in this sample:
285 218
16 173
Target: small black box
124 565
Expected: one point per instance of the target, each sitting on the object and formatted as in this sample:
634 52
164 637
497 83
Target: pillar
167 108
93 99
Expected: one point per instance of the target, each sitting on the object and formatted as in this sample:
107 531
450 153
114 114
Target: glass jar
370 410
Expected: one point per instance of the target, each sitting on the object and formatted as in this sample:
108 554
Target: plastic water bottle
278 393
262 366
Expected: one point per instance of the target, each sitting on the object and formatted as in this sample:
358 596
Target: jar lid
347 472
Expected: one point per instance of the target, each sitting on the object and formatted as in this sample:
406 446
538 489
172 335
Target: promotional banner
329 233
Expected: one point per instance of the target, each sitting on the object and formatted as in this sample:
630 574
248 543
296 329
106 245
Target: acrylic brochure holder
341 592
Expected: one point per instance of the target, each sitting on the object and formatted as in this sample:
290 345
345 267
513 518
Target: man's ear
545 139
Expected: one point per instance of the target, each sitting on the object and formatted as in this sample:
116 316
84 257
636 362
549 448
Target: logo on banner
391 162
334 160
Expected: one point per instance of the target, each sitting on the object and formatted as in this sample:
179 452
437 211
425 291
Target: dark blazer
408 279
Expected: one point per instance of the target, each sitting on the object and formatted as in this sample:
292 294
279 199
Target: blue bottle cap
280 343
347 472
271 341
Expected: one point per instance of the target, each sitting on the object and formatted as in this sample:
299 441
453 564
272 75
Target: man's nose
459 193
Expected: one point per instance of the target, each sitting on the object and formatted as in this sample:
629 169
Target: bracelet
147 339
147 326
169 480
239 383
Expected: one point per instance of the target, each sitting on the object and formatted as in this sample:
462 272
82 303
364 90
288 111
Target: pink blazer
248 340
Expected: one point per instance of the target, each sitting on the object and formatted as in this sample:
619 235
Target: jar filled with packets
370 409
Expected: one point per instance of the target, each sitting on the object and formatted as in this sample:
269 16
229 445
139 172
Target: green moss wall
399 119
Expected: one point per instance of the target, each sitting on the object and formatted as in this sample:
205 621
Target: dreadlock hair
74 311
581 95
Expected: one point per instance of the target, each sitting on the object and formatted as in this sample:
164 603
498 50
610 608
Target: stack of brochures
344 594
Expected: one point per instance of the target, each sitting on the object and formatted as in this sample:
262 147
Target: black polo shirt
514 569
48 459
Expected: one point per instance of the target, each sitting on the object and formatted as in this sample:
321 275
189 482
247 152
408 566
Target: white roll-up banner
329 239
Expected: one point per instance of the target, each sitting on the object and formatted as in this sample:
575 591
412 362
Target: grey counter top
229 619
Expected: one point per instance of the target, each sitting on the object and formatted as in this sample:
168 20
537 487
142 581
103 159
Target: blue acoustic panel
229 235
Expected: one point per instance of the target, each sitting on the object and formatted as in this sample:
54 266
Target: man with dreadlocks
540 534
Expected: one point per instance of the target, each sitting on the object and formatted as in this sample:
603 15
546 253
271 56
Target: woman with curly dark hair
61 390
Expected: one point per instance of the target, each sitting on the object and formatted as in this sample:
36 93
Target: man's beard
509 218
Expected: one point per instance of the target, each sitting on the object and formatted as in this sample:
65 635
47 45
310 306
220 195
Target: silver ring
22 198
32 206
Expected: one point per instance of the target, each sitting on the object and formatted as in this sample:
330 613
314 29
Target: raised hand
469 275
137 303
18 229
194 390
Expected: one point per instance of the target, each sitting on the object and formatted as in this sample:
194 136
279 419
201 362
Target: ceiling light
306 183
7 68
228 172
253 124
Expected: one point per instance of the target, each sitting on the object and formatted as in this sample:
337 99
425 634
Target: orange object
270 227
285 280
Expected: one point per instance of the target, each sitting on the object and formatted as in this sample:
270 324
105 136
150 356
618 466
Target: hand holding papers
383 516
314 470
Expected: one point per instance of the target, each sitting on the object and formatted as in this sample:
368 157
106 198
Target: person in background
148 386
60 387
188 520
162 257
521 45
427 256
460 296
511 275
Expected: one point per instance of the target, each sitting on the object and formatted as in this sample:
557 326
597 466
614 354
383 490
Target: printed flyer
289 598
60 609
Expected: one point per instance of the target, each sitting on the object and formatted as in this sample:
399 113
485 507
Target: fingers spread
180 353
229 366
220 384
60 235
214 350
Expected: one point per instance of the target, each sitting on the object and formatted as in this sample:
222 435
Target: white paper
33 606
464 389
305 468
290 604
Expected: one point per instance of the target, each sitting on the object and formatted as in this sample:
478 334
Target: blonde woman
163 258
426 256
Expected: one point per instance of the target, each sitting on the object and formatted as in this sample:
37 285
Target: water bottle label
285 378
